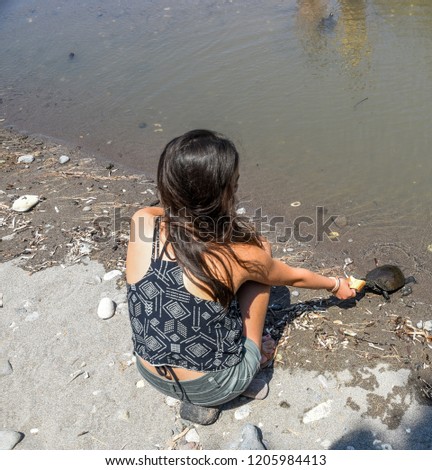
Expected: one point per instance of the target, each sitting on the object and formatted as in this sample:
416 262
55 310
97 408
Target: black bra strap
155 243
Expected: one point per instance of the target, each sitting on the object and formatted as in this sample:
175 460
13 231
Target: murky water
329 101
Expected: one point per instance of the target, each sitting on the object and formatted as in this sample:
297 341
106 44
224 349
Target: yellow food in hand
356 284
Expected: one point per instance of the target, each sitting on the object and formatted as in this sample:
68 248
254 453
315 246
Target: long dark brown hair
197 186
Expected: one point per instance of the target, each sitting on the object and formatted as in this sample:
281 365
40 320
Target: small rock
170 401
123 415
192 436
32 316
34 431
26 159
242 412
106 308
1 300
9 439
140 384
427 325
122 309
112 275
87 208
295 204
5 367
120 298
250 439
295 293
8 237
63 159
25 203
348 261
198 414
319 412
241 211
341 221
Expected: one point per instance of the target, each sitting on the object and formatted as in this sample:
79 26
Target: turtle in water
387 279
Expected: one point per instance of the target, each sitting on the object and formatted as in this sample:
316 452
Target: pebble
341 221
348 261
242 412
1 300
170 401
5 367
241 211
122 309
429 248
295 293
63 159
427 325
192 436
34 431
319 412
250 439
32 317
106 308
123 415
9 439
26 159
25 203
296 204
8 237
112 275
87 208
140 384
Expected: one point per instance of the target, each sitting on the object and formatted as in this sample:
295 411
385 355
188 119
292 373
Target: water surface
329 102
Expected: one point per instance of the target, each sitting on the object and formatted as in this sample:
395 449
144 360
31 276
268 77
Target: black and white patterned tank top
170 326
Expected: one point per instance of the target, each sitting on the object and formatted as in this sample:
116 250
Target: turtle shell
388 278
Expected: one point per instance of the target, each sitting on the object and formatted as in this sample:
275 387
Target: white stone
5 367
7 238
87 209
106 308
241 211
295 293
427 325
25 203
112 275
319 412
9 439
1 300
140 384
34 431
242 412
26 159
170 401
63 159
192 436
32 316
123 415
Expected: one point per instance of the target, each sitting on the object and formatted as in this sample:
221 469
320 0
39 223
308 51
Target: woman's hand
345 291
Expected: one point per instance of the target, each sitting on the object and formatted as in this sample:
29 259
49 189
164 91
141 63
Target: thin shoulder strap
155 243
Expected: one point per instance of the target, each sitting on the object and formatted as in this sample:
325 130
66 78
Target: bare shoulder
142 224
148 212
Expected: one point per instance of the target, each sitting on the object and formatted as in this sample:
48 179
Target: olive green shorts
213 388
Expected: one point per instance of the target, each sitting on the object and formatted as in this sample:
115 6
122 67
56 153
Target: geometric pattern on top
170 326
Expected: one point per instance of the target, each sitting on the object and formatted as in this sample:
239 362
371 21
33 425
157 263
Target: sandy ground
347 375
